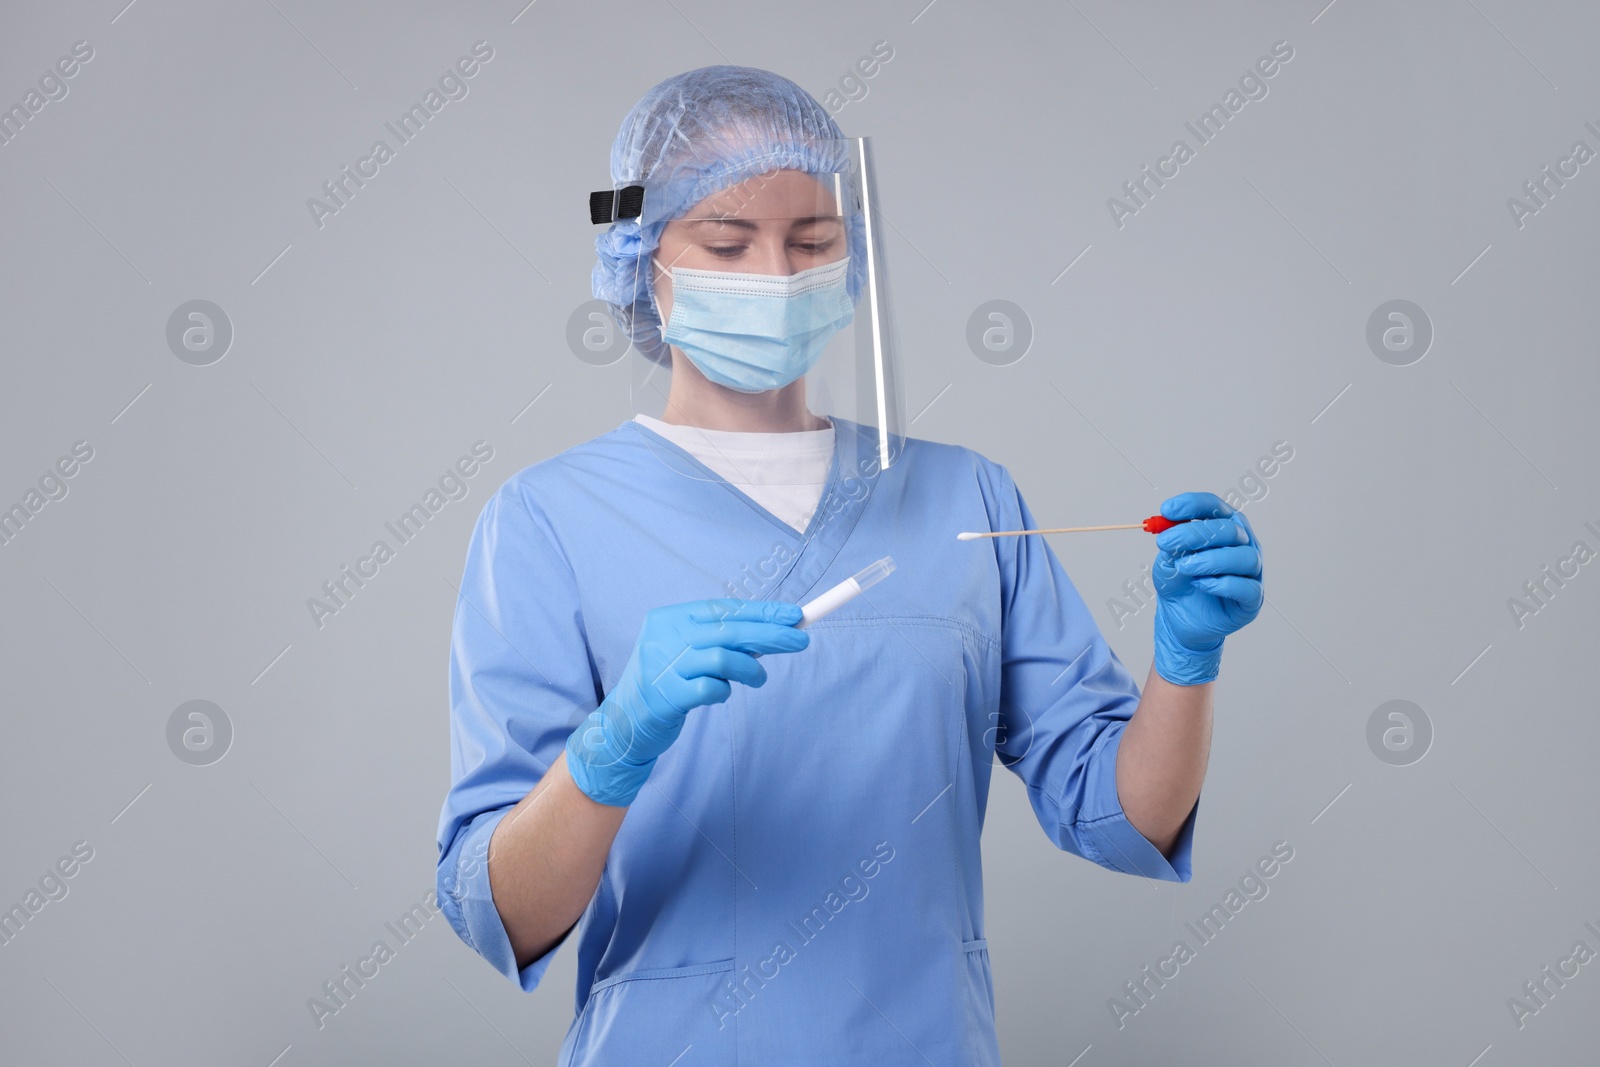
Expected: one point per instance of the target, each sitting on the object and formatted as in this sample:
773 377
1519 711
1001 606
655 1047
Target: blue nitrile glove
685 658
1208 584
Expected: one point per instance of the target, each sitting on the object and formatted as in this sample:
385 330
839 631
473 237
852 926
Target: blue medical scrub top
799 881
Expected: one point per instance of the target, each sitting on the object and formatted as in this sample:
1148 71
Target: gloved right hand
685 658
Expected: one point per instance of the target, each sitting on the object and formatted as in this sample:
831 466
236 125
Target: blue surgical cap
695 134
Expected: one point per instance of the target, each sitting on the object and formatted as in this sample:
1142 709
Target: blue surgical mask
755 332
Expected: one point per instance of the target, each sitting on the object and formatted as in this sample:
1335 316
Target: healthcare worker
767 837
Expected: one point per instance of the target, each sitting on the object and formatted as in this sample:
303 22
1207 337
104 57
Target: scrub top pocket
656 1015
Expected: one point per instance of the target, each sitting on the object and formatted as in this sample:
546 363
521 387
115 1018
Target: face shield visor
761 269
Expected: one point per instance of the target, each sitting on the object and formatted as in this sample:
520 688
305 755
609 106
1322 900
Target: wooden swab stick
1154 524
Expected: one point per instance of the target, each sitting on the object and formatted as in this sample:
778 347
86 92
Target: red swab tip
1156 523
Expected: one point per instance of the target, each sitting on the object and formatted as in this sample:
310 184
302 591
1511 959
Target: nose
770 255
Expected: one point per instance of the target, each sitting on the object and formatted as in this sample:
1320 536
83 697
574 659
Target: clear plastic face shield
767 290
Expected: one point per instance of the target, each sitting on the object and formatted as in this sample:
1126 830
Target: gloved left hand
1207 576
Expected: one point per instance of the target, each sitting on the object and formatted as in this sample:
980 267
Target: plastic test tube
845 592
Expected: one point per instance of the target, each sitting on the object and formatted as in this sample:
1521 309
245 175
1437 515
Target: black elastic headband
609 205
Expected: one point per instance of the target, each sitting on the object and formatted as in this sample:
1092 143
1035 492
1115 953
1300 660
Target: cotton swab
1154 524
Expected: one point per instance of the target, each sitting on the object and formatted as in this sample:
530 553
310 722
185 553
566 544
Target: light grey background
1228 314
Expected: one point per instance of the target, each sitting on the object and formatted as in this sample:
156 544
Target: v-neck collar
710 475
832 521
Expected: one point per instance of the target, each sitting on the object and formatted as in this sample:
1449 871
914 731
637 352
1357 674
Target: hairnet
693 135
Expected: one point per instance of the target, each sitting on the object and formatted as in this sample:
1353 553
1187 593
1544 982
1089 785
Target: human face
782 222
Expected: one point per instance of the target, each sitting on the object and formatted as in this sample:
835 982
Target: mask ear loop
655 278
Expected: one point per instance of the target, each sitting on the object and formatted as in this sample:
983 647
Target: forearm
545 860
1162 760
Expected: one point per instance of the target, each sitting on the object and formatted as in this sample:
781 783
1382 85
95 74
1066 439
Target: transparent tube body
845 591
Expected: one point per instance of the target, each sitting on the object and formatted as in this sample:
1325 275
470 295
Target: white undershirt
783 472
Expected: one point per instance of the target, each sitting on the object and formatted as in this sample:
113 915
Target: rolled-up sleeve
1065 699
520 680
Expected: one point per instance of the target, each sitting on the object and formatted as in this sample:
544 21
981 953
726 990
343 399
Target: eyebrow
745 223
749 225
